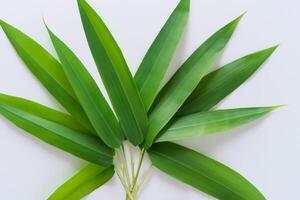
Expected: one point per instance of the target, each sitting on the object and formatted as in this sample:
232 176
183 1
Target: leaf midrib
220 120
194 170
111 61
46 130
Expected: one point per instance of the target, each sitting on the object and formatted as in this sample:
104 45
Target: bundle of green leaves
149 115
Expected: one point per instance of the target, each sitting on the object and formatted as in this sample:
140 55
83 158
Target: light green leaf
47 70
43 112
115 75
218 84
84 146
89 95
204 123
202 173
83 183
155 64
185 80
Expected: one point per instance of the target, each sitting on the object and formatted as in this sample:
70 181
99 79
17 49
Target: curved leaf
47 70
83 183
185 80
89 95
84 146
155 63
43 112
201 172
115 75
218 84
204 123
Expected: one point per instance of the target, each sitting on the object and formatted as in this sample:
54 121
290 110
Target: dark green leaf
43 112
185 80
203 173
47 70
155 64
89 95
204 123
115 75
83 183
218 84
85 146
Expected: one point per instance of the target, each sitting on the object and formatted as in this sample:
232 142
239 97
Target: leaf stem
138 170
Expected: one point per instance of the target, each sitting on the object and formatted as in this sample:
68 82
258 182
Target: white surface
267 152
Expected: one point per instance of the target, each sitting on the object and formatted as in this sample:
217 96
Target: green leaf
115 75
185 80
47 70
201 172
89 95
43 112
204 123
155 64
218 84
84 146
83 183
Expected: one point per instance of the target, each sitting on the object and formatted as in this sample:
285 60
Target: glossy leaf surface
43 112
85 146
155 63
202 172
89 95
185 80
83 183
218 84
204 123
115 75
47 70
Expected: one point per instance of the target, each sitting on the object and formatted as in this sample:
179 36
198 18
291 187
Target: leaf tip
238 19
277 107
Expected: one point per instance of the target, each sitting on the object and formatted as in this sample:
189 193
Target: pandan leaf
204 123
83 183
185 80
202 173
43 112
115 75
84 146
218 84
89 95
155 63
47 70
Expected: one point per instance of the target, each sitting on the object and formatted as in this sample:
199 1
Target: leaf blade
47 70
89 95
115 75
177 90
220 83
43 112
83 183
210 122
202 173
155 63
84 146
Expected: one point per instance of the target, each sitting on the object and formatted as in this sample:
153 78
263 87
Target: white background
266 152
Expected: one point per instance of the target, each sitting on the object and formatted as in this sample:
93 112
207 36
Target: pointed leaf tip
276 107
158 57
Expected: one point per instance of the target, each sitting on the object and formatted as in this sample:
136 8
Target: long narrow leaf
203 173
84 146
89 95
43 112
218 84
204 123
155 63
115 75
47 70
185 80
83 183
